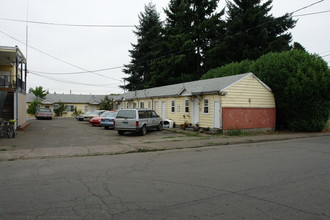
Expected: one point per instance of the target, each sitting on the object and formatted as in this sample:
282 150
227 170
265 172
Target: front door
216 116
195 118
163 110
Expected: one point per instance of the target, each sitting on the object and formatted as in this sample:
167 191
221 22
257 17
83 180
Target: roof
69 98
8 55
207 86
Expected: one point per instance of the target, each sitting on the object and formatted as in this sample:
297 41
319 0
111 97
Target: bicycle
7 128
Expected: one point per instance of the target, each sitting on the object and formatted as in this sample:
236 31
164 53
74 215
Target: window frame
206 106
186 106
173 106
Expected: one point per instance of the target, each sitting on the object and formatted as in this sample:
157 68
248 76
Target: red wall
244 118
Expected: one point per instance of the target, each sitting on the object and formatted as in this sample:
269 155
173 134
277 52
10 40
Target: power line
56 58
81 72
70 25
71 82
308 6
313 13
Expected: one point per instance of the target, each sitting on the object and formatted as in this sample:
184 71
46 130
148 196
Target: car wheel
11 132
160 127
143 130
120 132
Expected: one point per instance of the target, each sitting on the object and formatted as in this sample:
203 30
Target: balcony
13 70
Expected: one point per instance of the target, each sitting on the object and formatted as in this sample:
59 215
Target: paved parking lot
68 132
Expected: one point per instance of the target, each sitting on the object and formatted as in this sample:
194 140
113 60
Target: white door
163 110
216 116
156 107
195 118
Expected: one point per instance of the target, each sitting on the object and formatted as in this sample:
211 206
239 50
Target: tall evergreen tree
148 37
190 26
252 31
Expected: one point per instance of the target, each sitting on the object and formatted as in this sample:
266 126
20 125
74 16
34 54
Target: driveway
67 137
68 132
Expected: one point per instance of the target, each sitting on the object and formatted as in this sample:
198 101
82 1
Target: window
130 114
186 106
173 106
70 108
142 114
206 106
46 106
86 108
55 106
134 104
141 104
149 105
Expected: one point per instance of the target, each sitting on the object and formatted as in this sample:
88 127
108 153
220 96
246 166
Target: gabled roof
207 86
69 98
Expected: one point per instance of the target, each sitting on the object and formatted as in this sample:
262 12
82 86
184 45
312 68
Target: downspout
16 91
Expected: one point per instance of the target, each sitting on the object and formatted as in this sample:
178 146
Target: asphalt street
273 180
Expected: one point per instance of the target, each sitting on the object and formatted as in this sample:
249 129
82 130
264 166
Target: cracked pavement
273 180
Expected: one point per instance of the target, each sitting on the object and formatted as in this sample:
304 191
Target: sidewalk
10 153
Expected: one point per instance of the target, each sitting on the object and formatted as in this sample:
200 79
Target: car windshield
108 114
126 114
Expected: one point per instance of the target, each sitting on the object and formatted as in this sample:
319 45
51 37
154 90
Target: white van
137 120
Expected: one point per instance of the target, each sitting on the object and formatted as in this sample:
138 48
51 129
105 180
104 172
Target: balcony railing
6 82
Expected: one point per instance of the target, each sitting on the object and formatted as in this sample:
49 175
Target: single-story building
233 102
13 75
83 103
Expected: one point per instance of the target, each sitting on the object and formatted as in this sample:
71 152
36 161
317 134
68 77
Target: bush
32 107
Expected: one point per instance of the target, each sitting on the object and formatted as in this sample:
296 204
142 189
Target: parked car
96 121
93 114
45 113
108 121
81 117
137 120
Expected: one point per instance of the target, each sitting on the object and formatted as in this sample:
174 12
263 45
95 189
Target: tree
39 92
77 112
148 38
106 104
32 107
252 31
60 109
190 27
300 82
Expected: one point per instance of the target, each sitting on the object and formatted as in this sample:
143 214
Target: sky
55 52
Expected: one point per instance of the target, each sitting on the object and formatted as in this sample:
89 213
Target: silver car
137 120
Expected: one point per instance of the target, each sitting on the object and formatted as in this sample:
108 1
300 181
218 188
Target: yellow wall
249 92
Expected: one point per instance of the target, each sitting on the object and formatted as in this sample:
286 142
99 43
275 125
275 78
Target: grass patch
13 146
3 149
169 137
143 150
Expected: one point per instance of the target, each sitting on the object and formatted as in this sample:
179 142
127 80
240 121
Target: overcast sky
79 49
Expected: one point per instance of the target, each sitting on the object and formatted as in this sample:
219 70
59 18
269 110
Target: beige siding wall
249 92
179 114
22 109
206 119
